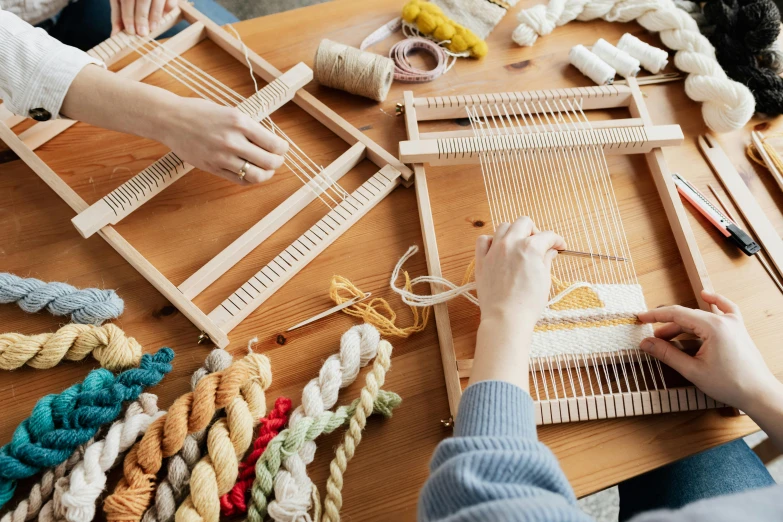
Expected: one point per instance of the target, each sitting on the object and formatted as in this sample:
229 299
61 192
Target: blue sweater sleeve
494 468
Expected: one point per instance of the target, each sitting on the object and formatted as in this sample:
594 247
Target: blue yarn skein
60 423
85 306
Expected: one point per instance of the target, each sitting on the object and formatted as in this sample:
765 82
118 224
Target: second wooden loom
540 155
128 197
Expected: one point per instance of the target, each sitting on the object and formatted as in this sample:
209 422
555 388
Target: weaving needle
357 299
576 253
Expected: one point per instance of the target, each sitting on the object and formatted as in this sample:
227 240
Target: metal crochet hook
331 311
577 253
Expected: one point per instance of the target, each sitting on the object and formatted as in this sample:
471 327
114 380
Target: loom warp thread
176 482
87 306
60 423
235 502
727 104
190 413
291 440
108 344
349 69
744 36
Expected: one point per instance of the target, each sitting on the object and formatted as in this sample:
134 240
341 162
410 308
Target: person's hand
513 270
138 16
728 367
220 139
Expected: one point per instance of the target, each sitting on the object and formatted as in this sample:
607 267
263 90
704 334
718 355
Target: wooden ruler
148 183
298 254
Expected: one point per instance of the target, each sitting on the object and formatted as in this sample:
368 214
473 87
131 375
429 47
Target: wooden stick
131 255
269 224
303 99
743 199
603 124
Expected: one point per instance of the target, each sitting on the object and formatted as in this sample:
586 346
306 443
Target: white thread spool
651 58
591 65
351 70
625 64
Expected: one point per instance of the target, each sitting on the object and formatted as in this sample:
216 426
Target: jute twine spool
349 69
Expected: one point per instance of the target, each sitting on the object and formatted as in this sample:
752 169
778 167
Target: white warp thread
293 488
454 291
75 494
727 105
591 65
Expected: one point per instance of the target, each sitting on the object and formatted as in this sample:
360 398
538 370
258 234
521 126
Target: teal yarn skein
60 423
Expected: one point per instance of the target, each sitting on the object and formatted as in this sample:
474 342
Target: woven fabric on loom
599 318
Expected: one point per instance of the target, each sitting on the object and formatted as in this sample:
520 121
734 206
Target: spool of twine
349 69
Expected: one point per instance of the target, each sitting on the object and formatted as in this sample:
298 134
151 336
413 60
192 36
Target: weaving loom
540 155
317 182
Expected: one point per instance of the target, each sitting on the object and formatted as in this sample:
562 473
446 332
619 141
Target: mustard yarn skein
73 342
430 20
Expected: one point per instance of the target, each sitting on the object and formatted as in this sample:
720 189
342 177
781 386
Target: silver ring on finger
243 170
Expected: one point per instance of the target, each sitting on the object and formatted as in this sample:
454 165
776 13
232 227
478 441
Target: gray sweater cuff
495 409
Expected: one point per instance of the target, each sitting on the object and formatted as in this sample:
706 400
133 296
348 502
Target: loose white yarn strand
727 105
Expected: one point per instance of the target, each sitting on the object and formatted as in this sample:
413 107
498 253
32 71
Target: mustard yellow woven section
578 299
549 326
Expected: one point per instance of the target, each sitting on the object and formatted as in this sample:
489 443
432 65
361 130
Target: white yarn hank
349 69
727 105
591 65
651 58
293 488
625 64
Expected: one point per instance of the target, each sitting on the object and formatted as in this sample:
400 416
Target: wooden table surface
190 222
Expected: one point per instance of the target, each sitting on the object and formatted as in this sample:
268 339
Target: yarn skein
42 490
744 36
86 306
175 483
60 423
227 441
353 436
108 344
727 104
292 439
76 493
293 488
349 69
166 436
234 502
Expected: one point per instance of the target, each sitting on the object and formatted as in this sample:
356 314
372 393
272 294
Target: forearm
502 350
767 412
103 99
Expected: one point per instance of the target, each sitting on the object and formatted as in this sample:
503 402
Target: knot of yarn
727 104
87 306
175 484
60 423
108 344
358 346
293 438
190 413
234 502
745 37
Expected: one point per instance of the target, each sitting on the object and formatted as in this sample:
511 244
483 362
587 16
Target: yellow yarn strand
227 441
353 435
377 311
754 154
73 342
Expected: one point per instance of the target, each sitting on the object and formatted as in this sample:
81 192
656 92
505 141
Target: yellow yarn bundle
430 20
377 312
108 344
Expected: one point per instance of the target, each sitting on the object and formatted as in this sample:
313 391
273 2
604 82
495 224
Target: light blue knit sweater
494 469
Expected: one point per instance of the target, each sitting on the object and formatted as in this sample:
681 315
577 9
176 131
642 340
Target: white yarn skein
651 58
591 65
728 105
88 478
293 488
625 64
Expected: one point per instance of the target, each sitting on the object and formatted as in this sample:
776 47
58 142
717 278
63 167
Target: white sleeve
35 69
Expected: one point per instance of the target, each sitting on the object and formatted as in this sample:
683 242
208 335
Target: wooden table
190 222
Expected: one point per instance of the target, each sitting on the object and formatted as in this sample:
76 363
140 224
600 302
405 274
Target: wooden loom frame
456 147
143 186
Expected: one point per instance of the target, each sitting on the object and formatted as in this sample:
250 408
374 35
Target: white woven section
619 301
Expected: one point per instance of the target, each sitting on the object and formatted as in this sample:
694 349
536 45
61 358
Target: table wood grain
192 221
